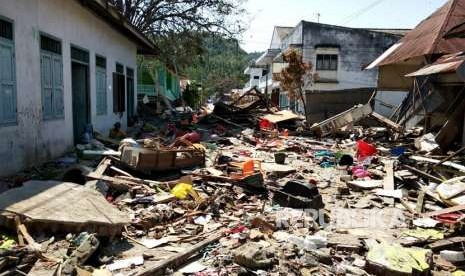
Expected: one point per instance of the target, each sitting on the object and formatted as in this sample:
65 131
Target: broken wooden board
281 116
277 169
386 122
181 258
389 178
444 211
435 161
365 184
61 207
445 244
347 117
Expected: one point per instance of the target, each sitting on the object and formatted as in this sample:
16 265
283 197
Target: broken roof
428 37
111 15
446 64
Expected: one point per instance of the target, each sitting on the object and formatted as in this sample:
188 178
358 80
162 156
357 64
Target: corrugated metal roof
427 37
446 64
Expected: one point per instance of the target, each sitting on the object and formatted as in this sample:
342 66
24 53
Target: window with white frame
327 61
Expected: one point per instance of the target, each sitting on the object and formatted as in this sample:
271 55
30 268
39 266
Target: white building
64 64
338 55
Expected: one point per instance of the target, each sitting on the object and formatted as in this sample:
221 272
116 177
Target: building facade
338 56
63 66
158 80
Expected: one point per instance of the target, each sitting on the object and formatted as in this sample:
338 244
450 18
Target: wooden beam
420 202
445 211
423 174
389 178
181 258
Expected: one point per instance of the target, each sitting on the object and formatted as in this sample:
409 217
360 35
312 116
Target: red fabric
192 137
365 150
265 124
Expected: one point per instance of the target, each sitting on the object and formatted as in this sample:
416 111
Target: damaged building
428 62
64 65
338 55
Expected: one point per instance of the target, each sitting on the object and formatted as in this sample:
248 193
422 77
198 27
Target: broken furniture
150 160
350 116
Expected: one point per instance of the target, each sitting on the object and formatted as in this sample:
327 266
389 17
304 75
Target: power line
360 12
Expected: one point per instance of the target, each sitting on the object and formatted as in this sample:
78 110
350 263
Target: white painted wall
34 140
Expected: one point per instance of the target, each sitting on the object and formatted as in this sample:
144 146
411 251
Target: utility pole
318 17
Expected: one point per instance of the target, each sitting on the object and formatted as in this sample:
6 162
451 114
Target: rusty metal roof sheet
446 64
428 37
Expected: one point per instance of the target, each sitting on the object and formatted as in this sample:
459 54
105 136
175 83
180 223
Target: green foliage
192 94
220 67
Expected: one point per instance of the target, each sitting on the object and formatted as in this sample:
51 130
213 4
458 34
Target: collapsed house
428 62
338 55
65 65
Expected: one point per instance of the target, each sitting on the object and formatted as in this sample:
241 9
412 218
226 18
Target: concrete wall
357 48
325 104
33 140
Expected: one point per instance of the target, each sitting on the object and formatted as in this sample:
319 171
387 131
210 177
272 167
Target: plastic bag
365 150
182 190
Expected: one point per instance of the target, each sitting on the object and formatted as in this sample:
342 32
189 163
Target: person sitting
116 132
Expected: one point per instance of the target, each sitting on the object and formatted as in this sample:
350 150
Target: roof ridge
444 24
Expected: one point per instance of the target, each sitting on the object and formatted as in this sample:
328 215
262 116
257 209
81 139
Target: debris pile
244 200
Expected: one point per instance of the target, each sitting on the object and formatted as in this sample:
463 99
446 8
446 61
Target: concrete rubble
240 197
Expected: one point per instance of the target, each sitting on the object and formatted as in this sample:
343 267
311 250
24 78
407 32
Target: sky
263 15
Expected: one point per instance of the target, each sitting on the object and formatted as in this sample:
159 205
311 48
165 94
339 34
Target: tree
220 67
297 77
192 94
178 28
162 17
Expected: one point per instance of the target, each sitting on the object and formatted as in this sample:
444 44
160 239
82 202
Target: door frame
87 86
130 101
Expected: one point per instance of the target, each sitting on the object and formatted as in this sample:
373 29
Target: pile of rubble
234 200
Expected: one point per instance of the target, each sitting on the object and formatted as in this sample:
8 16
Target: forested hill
220 67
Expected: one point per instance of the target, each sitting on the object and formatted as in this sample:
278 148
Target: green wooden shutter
47 85
7 83
101 90
58 101
51 65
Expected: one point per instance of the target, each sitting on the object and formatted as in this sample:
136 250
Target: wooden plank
423 174
449 157
407 206
456 166
181 258
388 183
347 117
420 202
445 211
385 121
30 240
102 167
446 244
